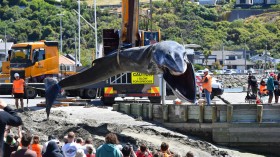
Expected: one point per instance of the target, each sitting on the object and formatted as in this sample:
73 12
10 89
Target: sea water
233 90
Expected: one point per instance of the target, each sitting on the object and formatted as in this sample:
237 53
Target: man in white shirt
70 149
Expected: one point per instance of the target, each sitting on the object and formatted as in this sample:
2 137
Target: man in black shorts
18 90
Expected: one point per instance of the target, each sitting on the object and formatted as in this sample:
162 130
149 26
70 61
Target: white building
4 47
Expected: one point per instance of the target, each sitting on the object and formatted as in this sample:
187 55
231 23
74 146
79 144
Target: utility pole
151 12
245 56
75 52
79 30
223 58
6 53
60 31
95 25
265 57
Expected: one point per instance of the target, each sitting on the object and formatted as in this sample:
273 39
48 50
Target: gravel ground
96 122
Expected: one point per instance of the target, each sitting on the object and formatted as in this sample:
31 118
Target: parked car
229 71
201 72
251 71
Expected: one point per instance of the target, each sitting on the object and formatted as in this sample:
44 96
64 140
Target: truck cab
34 61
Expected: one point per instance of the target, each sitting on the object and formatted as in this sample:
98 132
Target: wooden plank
214 114
116 107
193 113
207 114
177 113
145 110
58 104
244 115
78 104
157 111
201 114
151 115
136 109
229 113
271 115
259 113
221 113
125 108
165 113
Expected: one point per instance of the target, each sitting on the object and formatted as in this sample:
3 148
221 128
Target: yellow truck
33 61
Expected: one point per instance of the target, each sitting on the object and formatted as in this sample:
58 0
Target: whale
168 58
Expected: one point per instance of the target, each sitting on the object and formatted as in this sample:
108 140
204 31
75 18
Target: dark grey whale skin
167 58
160 58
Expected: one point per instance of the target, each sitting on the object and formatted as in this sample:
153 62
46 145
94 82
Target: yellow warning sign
140 78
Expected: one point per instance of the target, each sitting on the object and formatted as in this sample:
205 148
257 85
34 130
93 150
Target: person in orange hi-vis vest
207 85
18 90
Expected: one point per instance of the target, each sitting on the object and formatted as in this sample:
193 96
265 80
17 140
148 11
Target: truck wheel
90 93
30 93
155 99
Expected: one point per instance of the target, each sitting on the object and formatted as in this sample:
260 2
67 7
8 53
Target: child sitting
263 90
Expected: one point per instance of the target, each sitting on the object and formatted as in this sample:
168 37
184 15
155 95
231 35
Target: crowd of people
269 87
26 145
15 142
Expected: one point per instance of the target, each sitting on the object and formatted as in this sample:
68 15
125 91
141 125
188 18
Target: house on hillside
234 60
256 2
66 66
205 2
4 47
200 59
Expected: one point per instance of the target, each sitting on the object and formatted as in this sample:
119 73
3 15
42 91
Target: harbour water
233 90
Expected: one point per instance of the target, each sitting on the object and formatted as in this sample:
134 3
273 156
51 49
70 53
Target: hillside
177 20
272 17
111 2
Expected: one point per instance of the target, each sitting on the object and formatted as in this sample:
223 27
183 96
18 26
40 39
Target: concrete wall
233 125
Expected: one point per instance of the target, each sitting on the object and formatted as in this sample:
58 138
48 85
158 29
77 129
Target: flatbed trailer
31 89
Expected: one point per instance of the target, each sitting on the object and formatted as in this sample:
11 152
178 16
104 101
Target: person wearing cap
18 90
270 87
207 85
